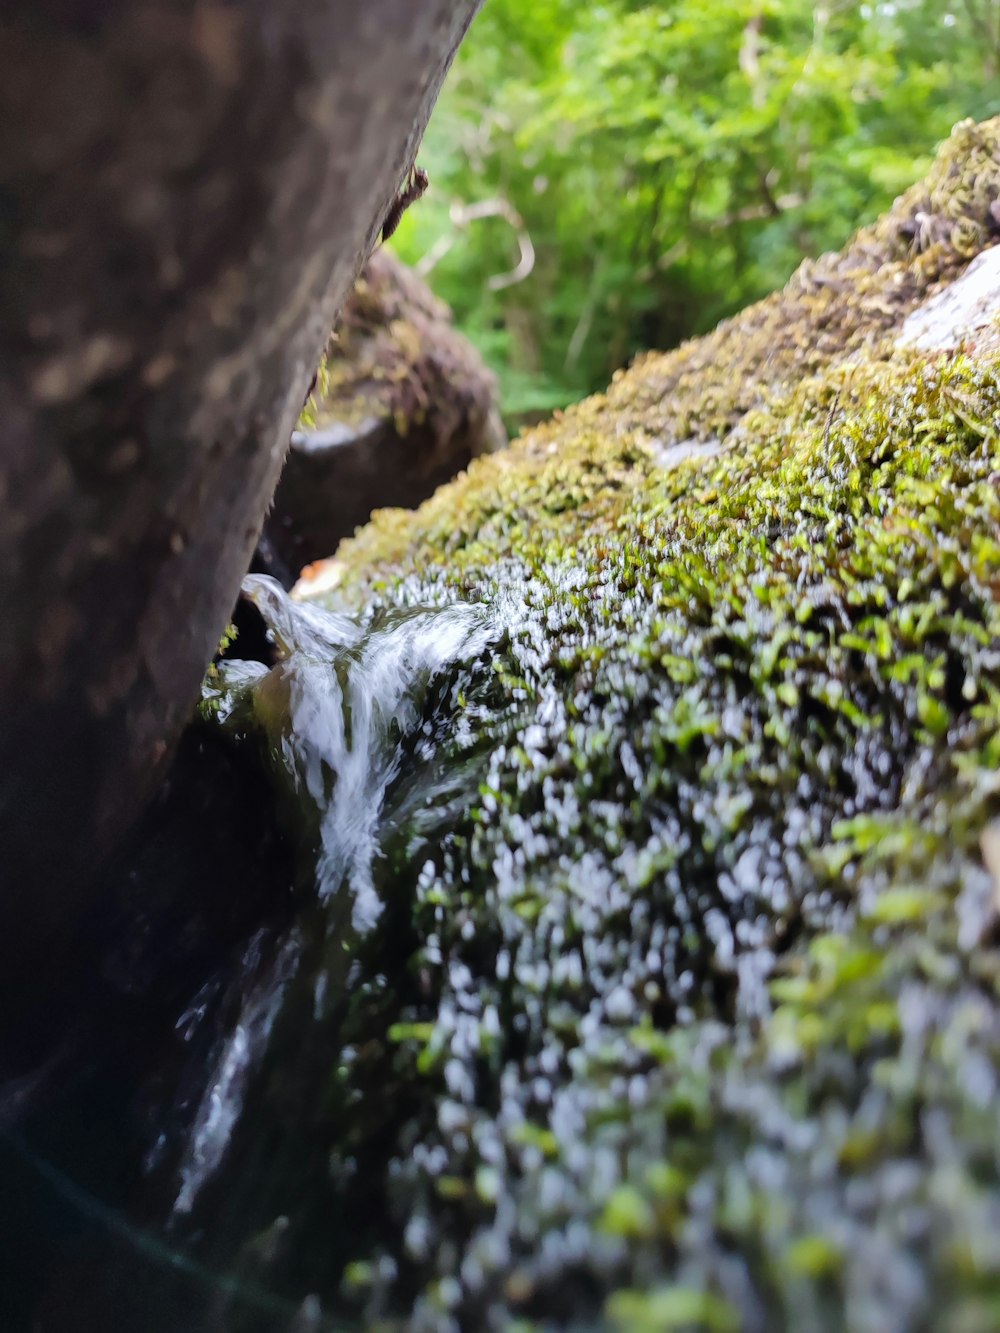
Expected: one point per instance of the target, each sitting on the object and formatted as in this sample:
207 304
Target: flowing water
345 711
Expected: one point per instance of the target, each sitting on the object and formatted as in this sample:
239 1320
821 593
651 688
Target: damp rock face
648 976
190 193
402 403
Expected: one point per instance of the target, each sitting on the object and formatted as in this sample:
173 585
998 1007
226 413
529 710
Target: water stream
348 716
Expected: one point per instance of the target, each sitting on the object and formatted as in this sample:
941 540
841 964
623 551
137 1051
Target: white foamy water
354 697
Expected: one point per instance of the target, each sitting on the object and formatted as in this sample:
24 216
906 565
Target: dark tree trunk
187 191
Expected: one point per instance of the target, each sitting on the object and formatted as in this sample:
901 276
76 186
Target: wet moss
697 1023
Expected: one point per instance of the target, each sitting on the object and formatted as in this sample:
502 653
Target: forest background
613 177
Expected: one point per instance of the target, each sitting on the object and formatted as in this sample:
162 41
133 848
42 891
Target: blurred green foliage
669 163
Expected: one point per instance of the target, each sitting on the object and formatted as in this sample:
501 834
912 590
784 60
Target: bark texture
189 194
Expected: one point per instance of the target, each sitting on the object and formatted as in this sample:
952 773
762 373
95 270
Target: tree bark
187 192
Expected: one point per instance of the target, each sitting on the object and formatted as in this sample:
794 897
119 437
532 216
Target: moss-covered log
189 190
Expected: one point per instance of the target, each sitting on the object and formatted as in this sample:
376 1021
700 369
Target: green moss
704 952
671 1308
781 363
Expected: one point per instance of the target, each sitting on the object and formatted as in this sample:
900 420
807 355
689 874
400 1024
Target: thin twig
461 215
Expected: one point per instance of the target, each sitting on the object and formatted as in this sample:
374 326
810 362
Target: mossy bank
685 1012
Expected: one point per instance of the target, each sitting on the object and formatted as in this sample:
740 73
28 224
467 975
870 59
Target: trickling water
341 711
222 1100
349 702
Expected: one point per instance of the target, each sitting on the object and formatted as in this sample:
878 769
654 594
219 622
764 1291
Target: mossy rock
395 354
685 1013
402 402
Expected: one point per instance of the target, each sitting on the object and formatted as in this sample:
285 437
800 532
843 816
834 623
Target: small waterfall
340 715
352 701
